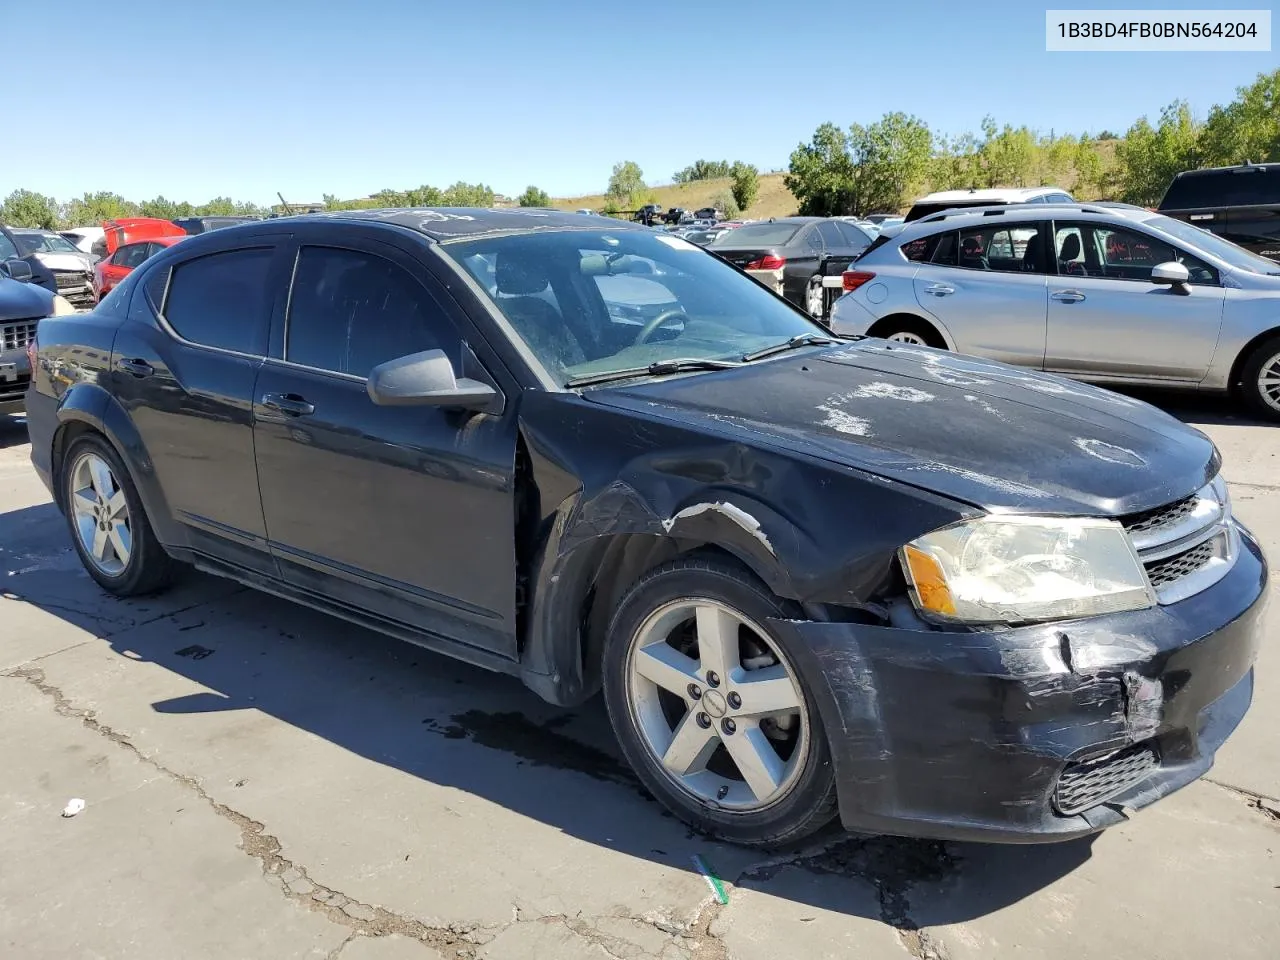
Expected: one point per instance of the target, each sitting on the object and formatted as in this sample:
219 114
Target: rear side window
351 311
921 249
1245 187
222 300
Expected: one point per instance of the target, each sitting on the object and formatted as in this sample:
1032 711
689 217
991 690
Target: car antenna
284 203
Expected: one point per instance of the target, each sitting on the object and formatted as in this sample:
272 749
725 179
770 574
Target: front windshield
589 302
33 240
1235 255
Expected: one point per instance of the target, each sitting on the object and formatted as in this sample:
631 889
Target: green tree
890 158
165 209
1006 156
746 184
704 170
467 195
820 173
955 163
1148 156
534 197
92 208
626 181
1246 129
26 208
726 203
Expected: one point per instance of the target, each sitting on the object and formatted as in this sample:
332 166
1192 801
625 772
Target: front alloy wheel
709 706
716 705
1260 378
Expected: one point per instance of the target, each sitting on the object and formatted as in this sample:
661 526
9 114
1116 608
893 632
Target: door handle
1067 296
940 289
138 368
290 404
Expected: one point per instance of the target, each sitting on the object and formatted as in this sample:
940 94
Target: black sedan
932 594
792 255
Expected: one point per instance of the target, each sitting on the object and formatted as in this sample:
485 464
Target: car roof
995 195
453 223
1238 168
960 218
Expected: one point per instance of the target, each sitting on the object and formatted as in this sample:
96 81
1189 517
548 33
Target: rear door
986 285
184 365
1108 320
405 512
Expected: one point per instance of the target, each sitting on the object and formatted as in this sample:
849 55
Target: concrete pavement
265 781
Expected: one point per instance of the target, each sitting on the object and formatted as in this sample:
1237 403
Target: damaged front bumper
1037 733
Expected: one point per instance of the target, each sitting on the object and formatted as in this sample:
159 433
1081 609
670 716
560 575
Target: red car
109 271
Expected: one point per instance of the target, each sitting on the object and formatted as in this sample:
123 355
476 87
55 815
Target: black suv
649 214
1240 204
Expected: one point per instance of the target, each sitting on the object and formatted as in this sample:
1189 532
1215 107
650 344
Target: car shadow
455 725
13 430
1196 408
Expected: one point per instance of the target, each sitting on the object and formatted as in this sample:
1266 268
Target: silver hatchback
1108 293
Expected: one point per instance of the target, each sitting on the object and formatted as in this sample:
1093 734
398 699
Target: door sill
359 616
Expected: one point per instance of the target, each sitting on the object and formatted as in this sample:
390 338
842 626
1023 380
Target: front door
987 287
406 512
187 384
1107 320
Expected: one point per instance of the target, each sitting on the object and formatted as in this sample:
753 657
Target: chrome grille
1091 782
16 336
71 279
1150 520
1165 572
1188 545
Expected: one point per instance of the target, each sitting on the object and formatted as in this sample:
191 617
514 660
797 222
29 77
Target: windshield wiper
655 369
799 340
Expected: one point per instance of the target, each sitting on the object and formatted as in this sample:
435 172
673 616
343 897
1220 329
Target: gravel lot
263 781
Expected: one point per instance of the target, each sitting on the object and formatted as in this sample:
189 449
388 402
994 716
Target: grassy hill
774 200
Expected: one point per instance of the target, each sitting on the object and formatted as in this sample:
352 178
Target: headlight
1010 569
61 306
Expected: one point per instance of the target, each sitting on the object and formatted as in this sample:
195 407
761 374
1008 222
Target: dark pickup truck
1240 204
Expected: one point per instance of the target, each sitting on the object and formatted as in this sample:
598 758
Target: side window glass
945 255
831 236
853 236
221 300
350 311
137 253
7 250
1069 249
1003 249
813 240
1129 255
922 249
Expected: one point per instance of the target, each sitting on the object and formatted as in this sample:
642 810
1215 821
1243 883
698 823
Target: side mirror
427 379
16 270
1172 274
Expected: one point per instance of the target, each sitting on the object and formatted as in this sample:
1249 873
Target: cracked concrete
265 781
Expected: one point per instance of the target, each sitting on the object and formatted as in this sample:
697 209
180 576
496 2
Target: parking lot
263 781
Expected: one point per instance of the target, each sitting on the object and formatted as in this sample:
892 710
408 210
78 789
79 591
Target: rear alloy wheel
109 527
711 711
813 298
1261 379
906 336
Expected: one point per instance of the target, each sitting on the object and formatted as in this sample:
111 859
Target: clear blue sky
246 97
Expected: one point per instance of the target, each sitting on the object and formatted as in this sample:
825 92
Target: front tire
710 709
1260 379
109 527
813 298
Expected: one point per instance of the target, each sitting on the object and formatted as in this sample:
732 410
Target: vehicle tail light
853 279
767 262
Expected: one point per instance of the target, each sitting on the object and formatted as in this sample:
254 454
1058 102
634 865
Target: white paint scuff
739 516
890 391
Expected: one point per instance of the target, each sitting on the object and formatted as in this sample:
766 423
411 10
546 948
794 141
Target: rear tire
731 757
109 527
1260 379
908 330
813 298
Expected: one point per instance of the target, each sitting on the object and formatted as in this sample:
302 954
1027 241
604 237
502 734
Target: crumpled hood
23 301
64 261
986 433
